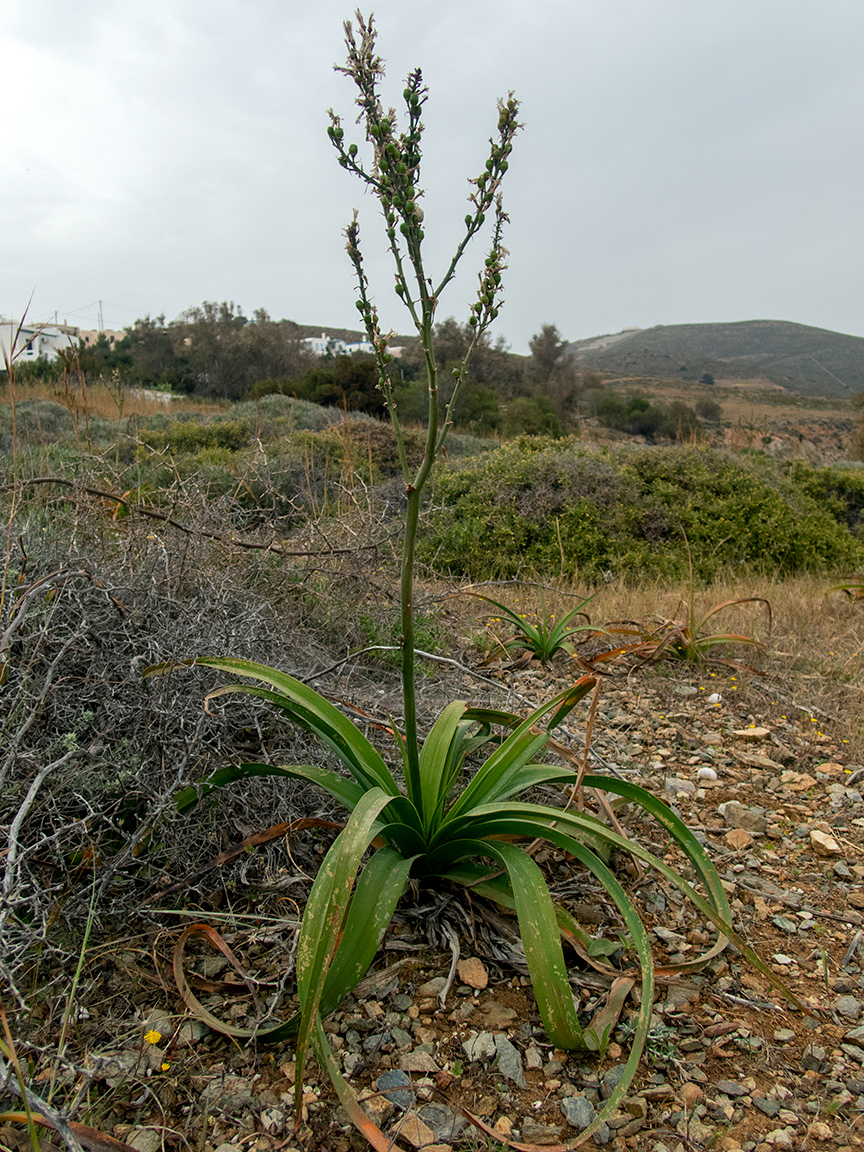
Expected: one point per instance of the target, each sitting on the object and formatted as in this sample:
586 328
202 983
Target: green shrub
622 510
193 435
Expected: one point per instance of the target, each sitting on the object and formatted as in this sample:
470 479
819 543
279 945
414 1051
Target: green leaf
436 759
347 792
307 708
325 914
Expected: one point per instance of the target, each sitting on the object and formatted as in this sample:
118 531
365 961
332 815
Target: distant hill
809 361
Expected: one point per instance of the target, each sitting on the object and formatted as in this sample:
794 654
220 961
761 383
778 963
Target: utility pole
101 325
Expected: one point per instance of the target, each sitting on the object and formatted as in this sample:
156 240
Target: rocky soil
767 784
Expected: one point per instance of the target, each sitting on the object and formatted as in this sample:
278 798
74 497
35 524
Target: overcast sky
682 160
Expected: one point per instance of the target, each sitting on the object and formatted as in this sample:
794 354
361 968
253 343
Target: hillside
805 360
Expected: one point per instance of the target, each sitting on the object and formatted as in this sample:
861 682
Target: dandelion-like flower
152 1037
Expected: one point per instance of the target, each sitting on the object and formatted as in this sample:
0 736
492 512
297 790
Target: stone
444 1124
533 1059
473 972
418 1062
379 1110
784 924
498 1017
751 735
690 1095
431 987
767 1105
578 1111
147 1140
479 1046
536 1133
752 760
611 1080
848 1006
737 816
783 1035
738 839
396 1086
190 1032
824 844
412 1129
780 1138
509 1061
706 773
732 1088
675 786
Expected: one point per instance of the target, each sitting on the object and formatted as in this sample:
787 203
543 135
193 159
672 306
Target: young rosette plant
426 818
543 636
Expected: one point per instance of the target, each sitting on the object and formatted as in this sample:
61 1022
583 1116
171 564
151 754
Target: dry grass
812 662
104 402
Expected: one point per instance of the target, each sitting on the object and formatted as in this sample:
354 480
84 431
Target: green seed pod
468 220
457 372
407 94
404 229
358 304
343 160
352 150
386 357
385 125
339 133
472 320
331 130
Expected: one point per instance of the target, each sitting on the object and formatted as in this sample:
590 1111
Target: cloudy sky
682 160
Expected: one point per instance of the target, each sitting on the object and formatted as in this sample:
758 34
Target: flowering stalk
394 177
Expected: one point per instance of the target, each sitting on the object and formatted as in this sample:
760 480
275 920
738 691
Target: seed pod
352 150
358 304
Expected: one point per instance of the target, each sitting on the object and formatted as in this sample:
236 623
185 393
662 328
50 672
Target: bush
622 510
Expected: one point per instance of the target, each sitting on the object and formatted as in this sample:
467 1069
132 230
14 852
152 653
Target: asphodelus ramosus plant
430 819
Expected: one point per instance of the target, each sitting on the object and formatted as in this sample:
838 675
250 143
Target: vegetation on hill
807 360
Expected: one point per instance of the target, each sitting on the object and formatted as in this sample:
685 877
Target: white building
28 342
330 345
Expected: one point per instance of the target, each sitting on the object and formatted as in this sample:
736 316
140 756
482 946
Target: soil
770 787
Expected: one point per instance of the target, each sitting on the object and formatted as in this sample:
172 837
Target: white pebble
706 773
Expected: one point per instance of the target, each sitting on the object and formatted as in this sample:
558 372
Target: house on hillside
32 341
331 346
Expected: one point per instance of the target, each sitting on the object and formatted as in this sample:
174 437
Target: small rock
819 1130
473 972
396 1087
738 839
678 787
783 1035
752 735
767 1105
479 1046
509 1061
535 1133
848 1006
533 1059
498 1017
147 1140
823 844
784 924
418 1062
732 1088
412 1129
737 816
706 773
813 1057
611 1080
444 1124
780 1138
431 987
578 1111
690 1095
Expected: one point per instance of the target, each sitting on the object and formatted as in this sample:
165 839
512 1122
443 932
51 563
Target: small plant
441 825
545 636
689 640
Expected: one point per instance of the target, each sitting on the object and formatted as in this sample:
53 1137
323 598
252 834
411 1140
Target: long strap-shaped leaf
436 758
518 749
514 819
379 887
308 708
543 977
324 918
347 792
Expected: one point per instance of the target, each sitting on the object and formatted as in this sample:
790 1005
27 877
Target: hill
801 359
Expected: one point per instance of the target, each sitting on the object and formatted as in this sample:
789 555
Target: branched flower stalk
394 177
